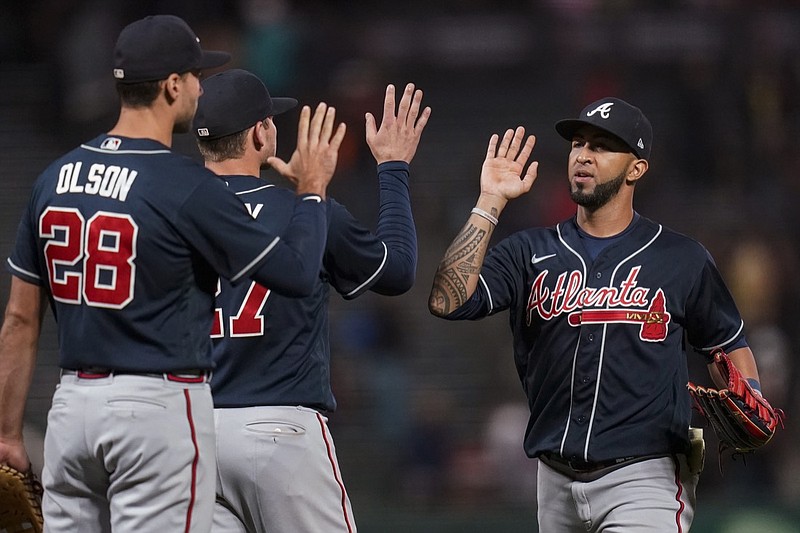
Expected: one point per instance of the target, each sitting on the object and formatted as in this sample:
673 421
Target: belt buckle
582 467
577 466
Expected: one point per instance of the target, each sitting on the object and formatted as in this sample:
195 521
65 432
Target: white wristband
483 214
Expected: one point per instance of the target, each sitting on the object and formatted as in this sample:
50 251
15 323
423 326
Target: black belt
580 470
180 376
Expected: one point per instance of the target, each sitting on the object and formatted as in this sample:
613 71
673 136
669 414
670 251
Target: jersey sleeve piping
488 292
17 269
254 190
256 261
374 275
727 341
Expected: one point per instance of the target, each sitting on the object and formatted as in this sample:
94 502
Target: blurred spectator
271 42
428 449
513 472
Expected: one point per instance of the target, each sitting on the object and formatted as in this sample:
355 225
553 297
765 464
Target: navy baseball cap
616 117
233 101
154 47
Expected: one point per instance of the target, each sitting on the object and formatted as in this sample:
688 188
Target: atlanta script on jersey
584 330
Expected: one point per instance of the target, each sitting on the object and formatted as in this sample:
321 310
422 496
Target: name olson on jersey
626 304
108 181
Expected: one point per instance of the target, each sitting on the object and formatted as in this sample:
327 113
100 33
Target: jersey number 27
248 320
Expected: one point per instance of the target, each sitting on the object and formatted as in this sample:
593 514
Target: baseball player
600 308
126 240
277 466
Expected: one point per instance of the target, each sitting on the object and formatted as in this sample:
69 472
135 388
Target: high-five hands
398 136
313 162
501 175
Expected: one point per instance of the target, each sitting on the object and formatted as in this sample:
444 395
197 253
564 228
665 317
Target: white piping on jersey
254 190
488 292
603 344
378 271
21 270
571 396
726 341
577 345
114 152
258 258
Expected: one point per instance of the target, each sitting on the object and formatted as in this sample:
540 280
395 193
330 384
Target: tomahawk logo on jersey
592 312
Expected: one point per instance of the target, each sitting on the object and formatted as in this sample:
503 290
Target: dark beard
602 194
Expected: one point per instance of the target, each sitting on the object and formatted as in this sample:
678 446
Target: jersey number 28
106 246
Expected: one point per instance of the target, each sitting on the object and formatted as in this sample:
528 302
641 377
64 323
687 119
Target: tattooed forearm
456 278
463 245
447 293
468 265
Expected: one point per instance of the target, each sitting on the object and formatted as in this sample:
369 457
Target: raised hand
501 175
314 159
399 134
456 279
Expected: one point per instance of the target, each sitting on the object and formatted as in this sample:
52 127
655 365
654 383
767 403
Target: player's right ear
171 87
262 132
258 134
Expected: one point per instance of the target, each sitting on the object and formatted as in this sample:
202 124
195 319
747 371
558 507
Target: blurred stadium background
431 414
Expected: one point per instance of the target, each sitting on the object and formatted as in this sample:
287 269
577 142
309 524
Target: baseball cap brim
214 58
567 128
282 105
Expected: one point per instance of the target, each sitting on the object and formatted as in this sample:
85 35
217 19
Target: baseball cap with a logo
616 117
233 101
154 47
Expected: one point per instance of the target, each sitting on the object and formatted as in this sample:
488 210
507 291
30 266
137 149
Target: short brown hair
229 147
141 94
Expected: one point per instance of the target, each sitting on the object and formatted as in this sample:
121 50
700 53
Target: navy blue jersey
128 239
271 350
600 345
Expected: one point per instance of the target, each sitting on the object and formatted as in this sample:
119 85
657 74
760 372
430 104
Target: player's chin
581 188
583 196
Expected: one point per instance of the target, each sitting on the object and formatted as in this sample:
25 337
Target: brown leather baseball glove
20 501
742 419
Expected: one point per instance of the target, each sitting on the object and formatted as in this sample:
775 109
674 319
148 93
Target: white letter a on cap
603 109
